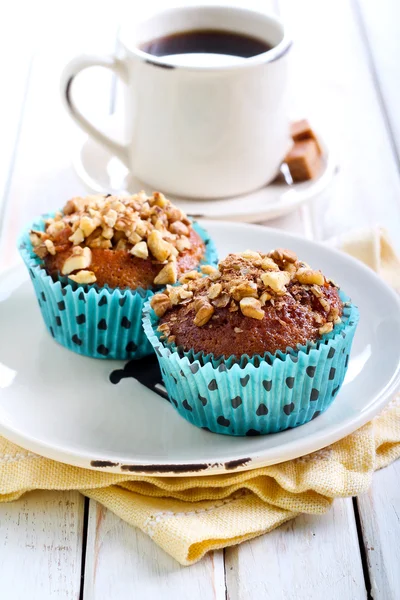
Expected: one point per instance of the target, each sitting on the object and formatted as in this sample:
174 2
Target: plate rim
292 449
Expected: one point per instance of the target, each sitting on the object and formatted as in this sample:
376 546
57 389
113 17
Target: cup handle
78 64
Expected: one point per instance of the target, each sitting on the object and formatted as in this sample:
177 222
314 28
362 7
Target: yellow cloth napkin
187 517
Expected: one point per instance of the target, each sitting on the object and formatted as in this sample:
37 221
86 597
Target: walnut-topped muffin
119 241
96 263
258 345
253 303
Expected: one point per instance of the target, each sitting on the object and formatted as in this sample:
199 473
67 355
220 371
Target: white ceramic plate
102 172
64 406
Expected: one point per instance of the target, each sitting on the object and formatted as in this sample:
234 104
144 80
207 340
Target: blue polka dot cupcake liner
93 321
260 394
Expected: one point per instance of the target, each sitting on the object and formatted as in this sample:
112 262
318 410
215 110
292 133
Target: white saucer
63 406
102 172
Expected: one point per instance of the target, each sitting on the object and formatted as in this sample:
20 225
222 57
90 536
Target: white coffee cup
205 130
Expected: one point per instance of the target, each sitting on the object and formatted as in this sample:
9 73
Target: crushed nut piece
189 276
203 314
327 328
88 225
283 255
333 314
325 304
222 300
168 274
159 248
160 303
310 277
83 277
251 307
211 271
276 280
50 247
316 290
177 294
55 228
140 250
250 254
237 330
179 228
36 237
183 244
243 290
110 218
214 291
77 262
77 237
264 298
269 265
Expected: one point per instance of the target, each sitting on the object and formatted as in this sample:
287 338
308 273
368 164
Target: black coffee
206 41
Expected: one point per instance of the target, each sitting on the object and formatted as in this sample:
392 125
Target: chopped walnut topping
243 290
327 328
246 282
147 227
265 297
251 307
168 274
325 304
276 280
77 262
269 265
159 248
50 247
316 290
178 294
77 237
282 255
214 291
83 277
140 250
160 303
203 314
211 271
179 228
310 277
189 276
222 300
253 256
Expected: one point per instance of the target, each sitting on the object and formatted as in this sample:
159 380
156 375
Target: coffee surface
206 41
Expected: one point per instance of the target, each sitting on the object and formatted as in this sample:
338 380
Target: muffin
256 346
94 264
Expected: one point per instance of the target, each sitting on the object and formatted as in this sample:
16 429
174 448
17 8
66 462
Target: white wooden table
345 77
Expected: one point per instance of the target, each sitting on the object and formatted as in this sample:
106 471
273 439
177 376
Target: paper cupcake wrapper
260 394
93 321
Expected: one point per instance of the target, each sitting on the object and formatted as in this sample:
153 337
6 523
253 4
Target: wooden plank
310 558
40 553
123 562
379 511
332 85
379 22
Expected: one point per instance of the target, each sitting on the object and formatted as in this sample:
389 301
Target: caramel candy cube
301 130
303 160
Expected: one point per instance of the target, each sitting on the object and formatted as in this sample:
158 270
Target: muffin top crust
253 303
122 241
